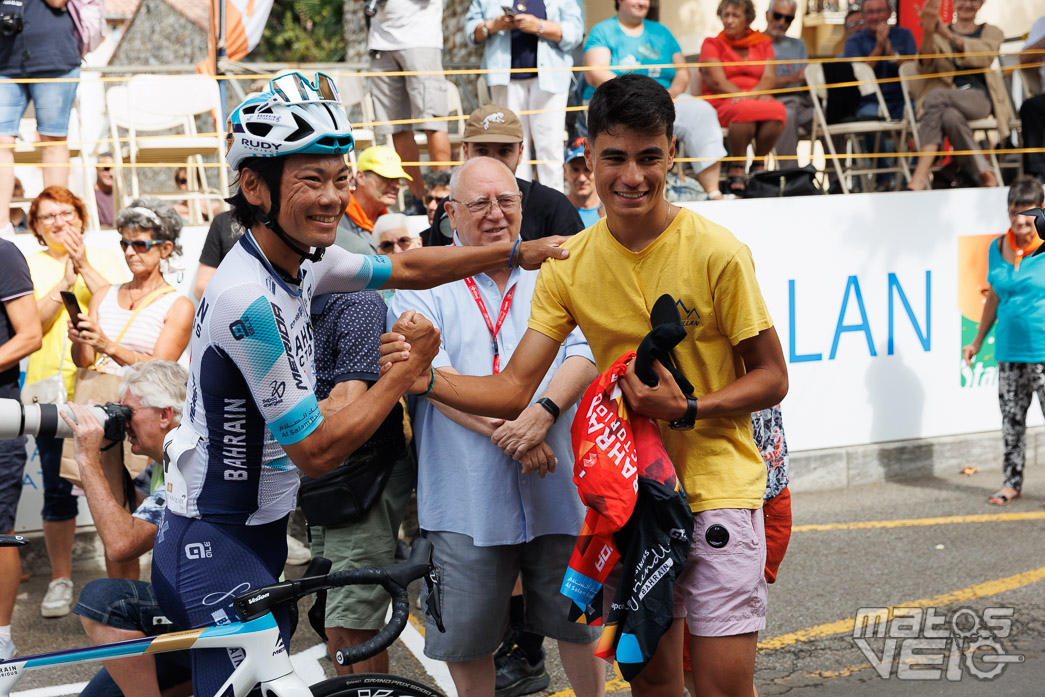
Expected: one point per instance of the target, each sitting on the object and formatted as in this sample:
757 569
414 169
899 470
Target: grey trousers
799 109
947 112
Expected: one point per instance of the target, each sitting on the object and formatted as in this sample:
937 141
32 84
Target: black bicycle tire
372 685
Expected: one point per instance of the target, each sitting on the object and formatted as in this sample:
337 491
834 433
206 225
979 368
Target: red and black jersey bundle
636 510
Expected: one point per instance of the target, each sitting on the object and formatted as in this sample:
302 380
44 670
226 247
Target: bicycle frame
265 659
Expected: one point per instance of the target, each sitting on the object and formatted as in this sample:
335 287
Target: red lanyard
506 305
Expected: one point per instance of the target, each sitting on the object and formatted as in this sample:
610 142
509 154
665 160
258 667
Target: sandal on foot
1000 499
737 185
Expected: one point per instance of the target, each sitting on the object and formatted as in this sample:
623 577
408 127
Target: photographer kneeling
113 609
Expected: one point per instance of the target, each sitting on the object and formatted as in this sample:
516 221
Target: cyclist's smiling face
314 193
630 168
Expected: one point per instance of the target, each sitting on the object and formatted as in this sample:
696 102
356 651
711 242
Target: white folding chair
853 132
150 99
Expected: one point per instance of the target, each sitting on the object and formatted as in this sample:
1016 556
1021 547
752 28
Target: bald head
478 181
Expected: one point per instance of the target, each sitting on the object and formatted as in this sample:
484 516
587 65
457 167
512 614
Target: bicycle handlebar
394 579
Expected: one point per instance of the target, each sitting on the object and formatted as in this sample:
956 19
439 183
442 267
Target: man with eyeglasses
378 171
494 511
103 190
797 104
495 131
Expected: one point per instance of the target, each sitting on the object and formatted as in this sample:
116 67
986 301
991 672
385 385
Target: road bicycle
266 660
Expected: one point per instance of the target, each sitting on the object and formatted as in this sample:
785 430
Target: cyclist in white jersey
251 419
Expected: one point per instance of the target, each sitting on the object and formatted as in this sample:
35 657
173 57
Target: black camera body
11 12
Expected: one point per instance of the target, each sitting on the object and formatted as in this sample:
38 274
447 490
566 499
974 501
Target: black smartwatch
551 406
689 419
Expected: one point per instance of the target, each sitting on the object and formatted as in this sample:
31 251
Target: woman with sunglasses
144 318
57 219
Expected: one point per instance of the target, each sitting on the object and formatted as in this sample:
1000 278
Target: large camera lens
43 420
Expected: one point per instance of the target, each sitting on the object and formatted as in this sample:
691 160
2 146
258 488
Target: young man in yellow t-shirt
617 269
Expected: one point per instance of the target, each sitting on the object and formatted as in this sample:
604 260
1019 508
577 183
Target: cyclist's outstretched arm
342 271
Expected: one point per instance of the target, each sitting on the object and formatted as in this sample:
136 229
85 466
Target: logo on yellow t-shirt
690 318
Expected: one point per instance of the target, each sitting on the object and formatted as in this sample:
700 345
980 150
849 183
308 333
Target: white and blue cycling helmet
294 116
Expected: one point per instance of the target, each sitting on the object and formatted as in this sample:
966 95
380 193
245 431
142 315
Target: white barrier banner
864 293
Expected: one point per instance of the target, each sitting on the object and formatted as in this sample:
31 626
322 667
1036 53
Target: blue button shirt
466 484
860 45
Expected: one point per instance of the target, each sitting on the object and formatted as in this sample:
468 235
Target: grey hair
792 3
152 214
889 3
390 221
455 178
158 384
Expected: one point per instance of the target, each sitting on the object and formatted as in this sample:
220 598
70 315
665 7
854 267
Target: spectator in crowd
57 219
378 171
437 186
392 234
505 519
854 22
121 609
878 39
222 235
531 34
649 247
184 208
798 106
580 187
632 40
103 190
20 335
1016 301
19 219
143 319
495 131
733 63
1032 112
44 49
407 36
945 104
347 329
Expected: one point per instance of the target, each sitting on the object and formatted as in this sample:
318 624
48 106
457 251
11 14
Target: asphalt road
975 572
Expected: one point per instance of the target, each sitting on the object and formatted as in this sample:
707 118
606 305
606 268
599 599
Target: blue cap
574 149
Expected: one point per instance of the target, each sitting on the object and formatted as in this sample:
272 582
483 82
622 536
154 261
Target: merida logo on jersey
233 447
284 335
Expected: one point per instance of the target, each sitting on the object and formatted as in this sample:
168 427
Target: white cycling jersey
252 384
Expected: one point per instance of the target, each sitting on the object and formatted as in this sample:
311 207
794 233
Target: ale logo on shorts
198 550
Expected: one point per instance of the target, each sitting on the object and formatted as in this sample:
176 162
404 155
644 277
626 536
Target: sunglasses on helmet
293 88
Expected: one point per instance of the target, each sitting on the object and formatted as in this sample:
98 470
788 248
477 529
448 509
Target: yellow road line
980 590
921 522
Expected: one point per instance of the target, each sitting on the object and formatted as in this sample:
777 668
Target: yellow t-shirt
46 272
608 291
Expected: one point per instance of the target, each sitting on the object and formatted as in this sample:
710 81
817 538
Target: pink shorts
722 588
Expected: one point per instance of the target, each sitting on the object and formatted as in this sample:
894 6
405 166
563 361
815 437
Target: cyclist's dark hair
1026 192
270 170
634 101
